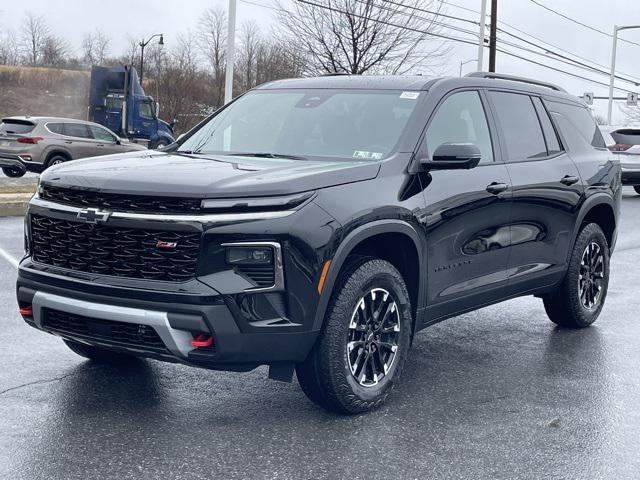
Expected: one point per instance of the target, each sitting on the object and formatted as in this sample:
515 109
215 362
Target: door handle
496 188
68 142
569 180
100 145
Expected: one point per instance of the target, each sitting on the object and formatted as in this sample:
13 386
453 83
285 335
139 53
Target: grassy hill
43 91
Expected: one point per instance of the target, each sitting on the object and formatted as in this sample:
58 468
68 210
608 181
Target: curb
14 205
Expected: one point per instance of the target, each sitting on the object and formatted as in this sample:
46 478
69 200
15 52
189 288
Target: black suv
317 224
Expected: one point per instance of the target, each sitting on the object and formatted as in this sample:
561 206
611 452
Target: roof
46 119
416 82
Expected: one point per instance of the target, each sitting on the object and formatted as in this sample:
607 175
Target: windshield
359 124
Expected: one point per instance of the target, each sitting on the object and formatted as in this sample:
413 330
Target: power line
566 17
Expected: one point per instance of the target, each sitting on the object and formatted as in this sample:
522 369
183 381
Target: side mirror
158 109
118 141
453 156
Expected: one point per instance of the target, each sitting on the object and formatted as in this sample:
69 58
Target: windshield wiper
266 155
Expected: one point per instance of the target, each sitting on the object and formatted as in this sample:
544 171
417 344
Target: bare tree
95 48
367 36
54 52
34 34
251 43
9 49
212 41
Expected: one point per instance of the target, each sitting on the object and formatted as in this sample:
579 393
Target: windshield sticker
367 155
410 95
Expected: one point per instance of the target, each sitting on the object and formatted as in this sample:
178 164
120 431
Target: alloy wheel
374 332
591 277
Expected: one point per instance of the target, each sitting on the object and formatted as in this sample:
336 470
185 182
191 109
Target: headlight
250 255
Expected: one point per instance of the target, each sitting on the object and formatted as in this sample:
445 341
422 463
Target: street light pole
144 44
483 19
231 37
612 75
464 63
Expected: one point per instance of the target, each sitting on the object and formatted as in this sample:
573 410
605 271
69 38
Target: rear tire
13 172
637 189
98 354
363 346
580 298
56 159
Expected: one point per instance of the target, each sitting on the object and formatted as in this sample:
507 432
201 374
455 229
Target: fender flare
350 242
592 201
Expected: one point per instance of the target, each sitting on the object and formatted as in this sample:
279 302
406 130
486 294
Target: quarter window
520 126
461 119
56 128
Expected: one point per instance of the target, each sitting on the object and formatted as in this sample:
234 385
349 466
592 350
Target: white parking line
13 261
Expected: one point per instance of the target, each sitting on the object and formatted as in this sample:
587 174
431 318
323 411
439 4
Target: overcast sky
123 19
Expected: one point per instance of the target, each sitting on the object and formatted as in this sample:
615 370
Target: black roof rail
513 78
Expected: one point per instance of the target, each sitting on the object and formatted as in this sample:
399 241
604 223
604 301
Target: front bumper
175 318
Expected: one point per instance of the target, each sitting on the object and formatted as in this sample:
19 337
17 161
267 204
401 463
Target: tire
327 376
637 189
56 159
13 172
98 354
574 305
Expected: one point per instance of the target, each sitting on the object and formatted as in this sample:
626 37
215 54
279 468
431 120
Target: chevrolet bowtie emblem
93 215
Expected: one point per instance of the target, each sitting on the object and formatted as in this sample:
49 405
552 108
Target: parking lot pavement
498 393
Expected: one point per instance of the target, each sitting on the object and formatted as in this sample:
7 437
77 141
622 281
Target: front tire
580 298
13 172
97 354
363 346
637 189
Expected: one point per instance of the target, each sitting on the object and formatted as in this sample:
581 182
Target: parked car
318 224
627 145
36 143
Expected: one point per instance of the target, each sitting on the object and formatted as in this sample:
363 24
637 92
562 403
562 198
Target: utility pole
231 38
493 35
483 22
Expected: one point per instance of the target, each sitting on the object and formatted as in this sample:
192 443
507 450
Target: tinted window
520 126
101 134
550 136
627 136
146 111
55 128
581 121
76 130
15 126
461 119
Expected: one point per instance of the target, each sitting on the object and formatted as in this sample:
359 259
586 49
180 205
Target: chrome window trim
278 284
161 217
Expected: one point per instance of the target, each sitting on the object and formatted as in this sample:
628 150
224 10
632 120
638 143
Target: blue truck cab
117 101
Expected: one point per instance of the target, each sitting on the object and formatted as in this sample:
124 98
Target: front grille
261 275
118 202
116 251
132 335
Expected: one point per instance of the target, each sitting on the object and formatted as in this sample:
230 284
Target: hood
158 173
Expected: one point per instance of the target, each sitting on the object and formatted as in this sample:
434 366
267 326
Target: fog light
250 256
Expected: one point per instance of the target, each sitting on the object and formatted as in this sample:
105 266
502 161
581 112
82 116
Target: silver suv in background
35 143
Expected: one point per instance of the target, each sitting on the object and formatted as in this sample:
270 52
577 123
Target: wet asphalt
500 393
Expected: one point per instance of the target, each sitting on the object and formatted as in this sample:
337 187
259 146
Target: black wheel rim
374 332
591 278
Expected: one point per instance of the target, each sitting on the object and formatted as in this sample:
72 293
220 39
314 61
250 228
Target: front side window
101 134
146 110
356 124
461 119
520 126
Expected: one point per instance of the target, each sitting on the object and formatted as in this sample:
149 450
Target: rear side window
520 126
550 135
461 119
78 130
627 136
578 120
55 128
16 126
101 134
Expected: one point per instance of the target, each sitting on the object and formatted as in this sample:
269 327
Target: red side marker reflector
202 340
26 310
